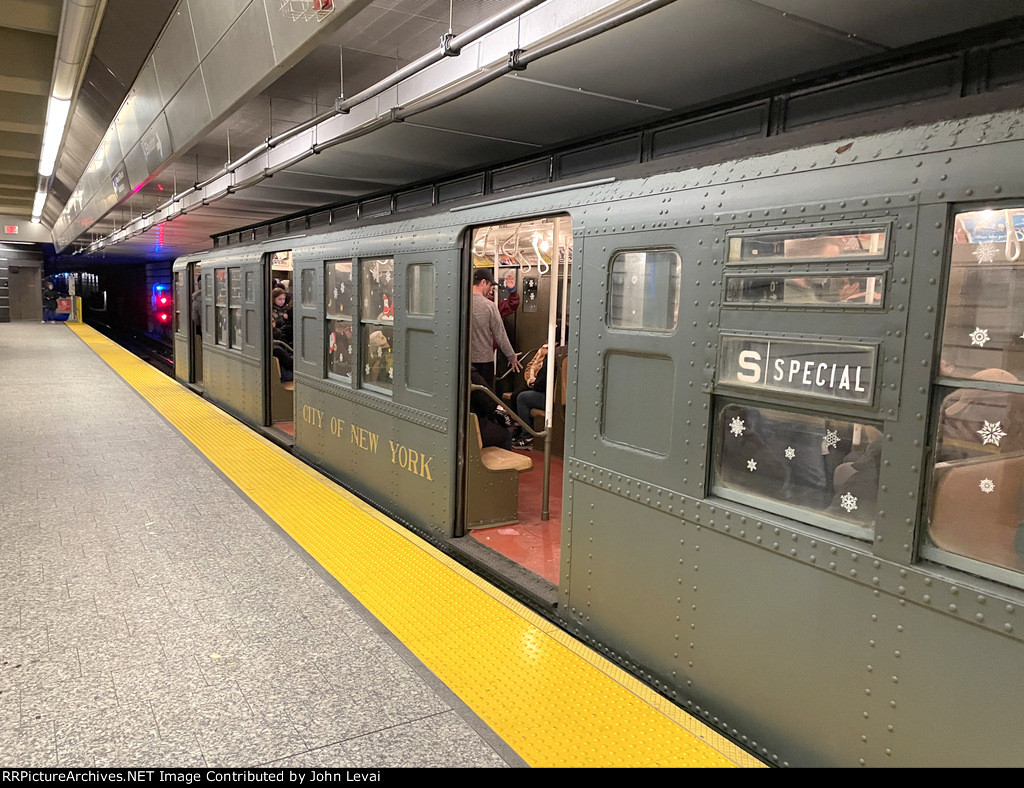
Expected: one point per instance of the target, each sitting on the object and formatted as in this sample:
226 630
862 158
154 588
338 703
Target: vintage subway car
787 449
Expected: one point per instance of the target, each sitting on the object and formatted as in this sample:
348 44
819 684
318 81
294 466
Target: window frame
329 321
388 389
609 289
943 386
814 518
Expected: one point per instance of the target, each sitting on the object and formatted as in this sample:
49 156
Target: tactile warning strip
553 700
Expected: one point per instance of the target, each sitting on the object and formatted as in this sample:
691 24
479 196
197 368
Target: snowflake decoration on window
751 466
831 438
848 501
736 426
979 336
991 433
987 485
986 252
790 452
367 369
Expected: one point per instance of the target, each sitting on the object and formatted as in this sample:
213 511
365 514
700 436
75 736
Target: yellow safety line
553 700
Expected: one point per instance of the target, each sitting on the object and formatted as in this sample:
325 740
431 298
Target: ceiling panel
688 55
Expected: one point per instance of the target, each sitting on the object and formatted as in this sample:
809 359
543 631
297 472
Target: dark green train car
790 421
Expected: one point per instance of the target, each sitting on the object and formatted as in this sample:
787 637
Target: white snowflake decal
790 452
987 485
367 369
986 252
848 502
831 438
751 466
991 433
979 336
736 426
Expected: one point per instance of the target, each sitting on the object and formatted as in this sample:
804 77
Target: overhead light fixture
37 206
53 133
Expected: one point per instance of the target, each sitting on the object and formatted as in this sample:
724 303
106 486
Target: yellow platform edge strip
554 700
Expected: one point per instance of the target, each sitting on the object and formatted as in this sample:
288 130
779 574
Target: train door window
221 306
810 467
339 309
976 491
421 289
308 288
376 319
235 307
178 293
643 291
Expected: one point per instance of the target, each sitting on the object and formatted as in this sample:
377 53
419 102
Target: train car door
279 354
188 321
515 418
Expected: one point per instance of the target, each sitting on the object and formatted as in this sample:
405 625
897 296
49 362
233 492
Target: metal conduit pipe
604 26
450 48
519 60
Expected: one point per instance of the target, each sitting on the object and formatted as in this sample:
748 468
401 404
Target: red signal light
163 317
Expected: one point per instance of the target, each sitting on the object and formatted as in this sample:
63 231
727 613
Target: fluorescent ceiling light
37 206
56 117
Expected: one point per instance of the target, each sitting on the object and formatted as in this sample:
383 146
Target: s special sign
830 370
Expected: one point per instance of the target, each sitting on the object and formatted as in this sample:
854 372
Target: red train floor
532 543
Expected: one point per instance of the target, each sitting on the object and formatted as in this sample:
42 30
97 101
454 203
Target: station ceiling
592 68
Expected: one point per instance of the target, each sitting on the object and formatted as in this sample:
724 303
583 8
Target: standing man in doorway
487 329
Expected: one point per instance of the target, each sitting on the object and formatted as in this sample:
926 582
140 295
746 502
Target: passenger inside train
521 275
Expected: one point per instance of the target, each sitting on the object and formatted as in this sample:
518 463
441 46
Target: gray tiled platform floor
149 616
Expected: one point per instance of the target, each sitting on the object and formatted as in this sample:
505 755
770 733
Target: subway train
777 466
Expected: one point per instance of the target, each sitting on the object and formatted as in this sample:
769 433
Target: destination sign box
829 370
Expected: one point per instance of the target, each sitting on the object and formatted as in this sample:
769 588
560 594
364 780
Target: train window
984 327
822 244
834 290
814 468
376 334
221 306
975 503
643 290
235 306
308 287
178 295
421 289
339 290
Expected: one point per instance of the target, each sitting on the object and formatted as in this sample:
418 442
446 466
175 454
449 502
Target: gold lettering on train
337 427
313 416
364 439
411 460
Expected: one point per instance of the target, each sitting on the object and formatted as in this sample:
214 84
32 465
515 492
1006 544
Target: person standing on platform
488 330
50 296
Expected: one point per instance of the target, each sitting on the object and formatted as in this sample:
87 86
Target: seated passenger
534 396
282 351
492 426
976 422
281 313
378 365
856 491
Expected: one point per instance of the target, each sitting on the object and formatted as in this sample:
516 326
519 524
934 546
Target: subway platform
176 591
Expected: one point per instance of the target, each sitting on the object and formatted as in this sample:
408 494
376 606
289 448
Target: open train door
515 418
279 345
188 322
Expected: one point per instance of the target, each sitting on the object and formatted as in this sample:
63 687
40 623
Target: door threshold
281 438
519 581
